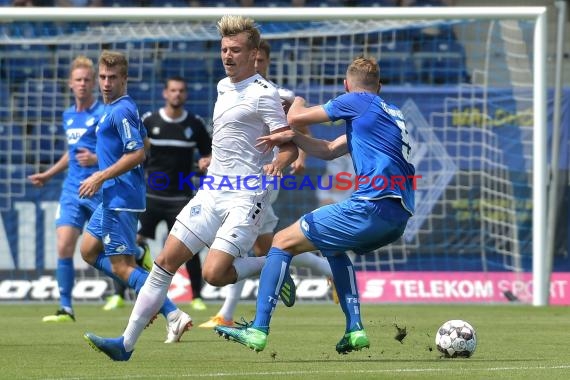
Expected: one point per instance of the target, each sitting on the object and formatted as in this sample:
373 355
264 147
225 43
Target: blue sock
270 283
65 275
345 283
137 280
103 263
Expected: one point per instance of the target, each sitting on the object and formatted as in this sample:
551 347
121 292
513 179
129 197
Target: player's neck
84 104
173 113
244 76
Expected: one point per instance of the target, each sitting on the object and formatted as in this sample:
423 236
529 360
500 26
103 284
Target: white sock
247 267
233 296
318 264
149 301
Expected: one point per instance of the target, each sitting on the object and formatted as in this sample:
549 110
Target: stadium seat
169 3
26 61
41 99
442 62
49 143
5 102
395 58
15 138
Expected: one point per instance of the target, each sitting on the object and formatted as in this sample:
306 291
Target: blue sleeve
342 107
128 125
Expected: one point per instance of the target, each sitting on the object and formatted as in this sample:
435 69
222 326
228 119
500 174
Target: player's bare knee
88 254
215 277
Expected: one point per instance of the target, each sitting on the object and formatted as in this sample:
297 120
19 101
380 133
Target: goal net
466 87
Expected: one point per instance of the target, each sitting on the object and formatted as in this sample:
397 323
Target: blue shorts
74 211
355 224
116 229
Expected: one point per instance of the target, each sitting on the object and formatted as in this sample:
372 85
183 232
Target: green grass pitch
514 342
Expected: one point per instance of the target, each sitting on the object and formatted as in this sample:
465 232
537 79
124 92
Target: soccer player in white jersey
79 122
226 213
378 211
317 264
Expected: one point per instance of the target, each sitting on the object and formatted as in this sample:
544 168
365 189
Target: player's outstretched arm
287 153
40 179
300 116
323 149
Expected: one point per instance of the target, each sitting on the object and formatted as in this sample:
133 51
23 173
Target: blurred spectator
79 3
33 3
424 3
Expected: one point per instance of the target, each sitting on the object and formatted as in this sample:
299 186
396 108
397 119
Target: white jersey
243 112
285 94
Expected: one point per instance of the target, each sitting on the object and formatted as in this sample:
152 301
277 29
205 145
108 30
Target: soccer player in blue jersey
377 139
79 123
110 243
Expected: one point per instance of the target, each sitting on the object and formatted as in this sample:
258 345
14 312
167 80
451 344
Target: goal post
316 75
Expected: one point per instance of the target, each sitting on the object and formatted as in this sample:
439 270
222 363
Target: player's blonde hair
231 25
82 62
117 59
364 72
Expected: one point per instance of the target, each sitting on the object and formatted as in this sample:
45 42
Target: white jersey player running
317 264
223 216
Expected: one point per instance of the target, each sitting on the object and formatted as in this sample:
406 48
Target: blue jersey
379 144
120 131
80 128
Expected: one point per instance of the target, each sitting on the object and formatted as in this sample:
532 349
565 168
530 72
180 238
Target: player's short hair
265 46
117 59
175 78
232 25
82 62
365 72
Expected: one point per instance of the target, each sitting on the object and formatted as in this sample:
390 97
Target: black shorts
158 210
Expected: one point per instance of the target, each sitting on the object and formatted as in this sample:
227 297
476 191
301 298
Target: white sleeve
271 111
286 95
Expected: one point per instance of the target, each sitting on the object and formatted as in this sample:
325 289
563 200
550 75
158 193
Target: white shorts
270 221
225 220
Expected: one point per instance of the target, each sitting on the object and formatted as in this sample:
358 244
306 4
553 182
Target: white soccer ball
456 339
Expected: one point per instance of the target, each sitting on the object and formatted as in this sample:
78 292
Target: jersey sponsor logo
131 145
188 133
304 225
74 134
120 249
89 122
195 210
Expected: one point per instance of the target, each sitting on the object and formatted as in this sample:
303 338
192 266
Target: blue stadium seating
26 61
442 62
4 101
395 59
169 3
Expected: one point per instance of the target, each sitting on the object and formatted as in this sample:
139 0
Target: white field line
319 372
